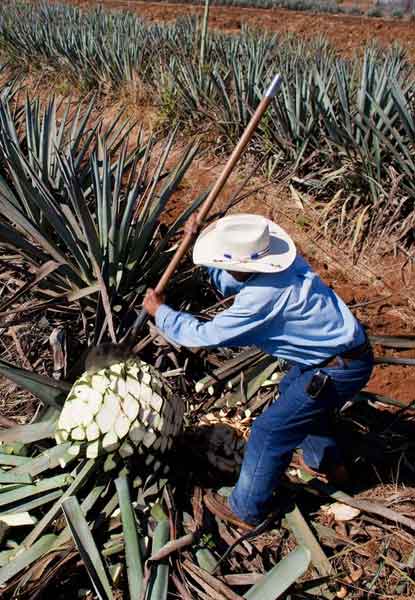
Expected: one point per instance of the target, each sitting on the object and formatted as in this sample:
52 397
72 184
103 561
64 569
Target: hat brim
279 257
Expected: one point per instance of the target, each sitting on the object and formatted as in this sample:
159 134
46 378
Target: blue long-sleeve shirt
292 315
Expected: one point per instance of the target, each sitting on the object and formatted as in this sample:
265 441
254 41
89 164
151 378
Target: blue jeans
294 420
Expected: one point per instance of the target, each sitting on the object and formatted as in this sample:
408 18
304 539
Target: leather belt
347 355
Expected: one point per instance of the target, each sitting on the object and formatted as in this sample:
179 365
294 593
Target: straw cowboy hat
248 243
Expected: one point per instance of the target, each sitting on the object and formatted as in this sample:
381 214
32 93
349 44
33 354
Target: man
283 308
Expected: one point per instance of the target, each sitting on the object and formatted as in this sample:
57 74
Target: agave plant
83 201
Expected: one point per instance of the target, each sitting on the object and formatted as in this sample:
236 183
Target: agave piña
127 407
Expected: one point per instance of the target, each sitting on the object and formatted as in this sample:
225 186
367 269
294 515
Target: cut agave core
127 407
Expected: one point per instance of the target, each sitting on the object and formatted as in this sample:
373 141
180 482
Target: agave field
345 128
102 481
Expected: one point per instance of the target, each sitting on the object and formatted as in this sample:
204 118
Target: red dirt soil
347 33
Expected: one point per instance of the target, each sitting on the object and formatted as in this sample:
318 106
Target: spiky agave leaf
50 391
102 234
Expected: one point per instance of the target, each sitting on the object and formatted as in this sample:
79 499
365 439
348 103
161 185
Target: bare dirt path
347 33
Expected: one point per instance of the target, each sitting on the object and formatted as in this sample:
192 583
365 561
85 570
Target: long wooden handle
217 188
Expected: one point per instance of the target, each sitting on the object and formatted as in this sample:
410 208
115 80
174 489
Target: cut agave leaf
17 519
27 491
131 541
32 504
48 459
305 536
81 478
159 585
87 547
10 477
282 576
26 434
26 558
10 460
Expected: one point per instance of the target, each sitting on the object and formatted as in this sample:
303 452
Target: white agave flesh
155 421
133 370
77 408
92 432
146 378
145 395
86 415
89 395
117 368
131 407
122 390
113 403
110 463
156 402
121 426
126 407
105 419
126 449
113 383
136 433
74 450
61 436
99 382
94 401
67 418
81 392
78 434
133 387
110 441
149 439
92 450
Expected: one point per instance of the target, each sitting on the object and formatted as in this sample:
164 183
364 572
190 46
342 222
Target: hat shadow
278 245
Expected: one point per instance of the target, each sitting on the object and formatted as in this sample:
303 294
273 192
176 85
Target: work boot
218 505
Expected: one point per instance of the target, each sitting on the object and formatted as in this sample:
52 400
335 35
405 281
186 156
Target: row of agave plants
304 5
345 127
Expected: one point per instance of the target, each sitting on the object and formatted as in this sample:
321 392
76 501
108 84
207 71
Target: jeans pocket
347 387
